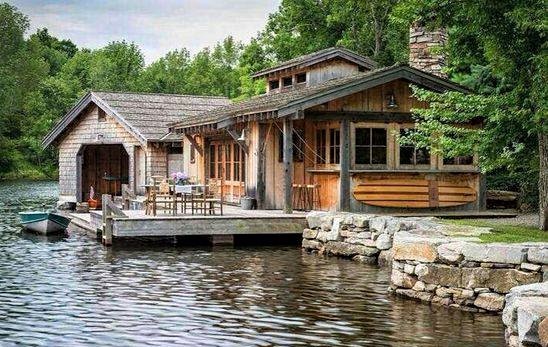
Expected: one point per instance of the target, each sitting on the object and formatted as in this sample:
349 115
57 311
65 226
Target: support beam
344 177
288 165
260 193
236 138
196 145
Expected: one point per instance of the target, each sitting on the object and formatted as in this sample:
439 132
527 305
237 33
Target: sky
156 26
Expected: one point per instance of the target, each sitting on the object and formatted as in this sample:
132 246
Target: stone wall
362 237
457 271
445 264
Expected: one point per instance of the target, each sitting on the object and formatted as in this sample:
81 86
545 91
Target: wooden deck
234 221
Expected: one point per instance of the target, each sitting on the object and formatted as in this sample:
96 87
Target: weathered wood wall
86 131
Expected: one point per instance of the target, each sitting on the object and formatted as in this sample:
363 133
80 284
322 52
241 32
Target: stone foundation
439 263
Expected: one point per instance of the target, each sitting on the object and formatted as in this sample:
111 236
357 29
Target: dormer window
301 78
287 81
102 116
274 84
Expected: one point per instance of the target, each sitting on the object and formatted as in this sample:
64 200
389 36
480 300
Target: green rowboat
44 222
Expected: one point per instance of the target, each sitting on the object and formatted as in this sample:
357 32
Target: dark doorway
105 168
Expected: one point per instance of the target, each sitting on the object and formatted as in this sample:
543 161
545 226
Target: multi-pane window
370 146
301 78
321 144
287 81
274 84
212 161
334 146
298 146
411 155
227 161
462 160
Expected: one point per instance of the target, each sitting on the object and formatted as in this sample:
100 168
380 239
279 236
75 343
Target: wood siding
89 130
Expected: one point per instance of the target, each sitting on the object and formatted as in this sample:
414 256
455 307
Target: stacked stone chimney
424 53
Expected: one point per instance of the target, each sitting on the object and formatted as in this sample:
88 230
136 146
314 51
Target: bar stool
313 196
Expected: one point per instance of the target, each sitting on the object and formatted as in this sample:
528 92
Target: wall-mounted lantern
391 102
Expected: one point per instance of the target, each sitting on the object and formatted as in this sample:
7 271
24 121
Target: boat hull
44 223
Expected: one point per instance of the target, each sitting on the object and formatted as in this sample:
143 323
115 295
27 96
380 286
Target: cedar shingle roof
150 114
144 115
284 100
321 56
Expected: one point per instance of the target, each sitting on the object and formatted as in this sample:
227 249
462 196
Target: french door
227 164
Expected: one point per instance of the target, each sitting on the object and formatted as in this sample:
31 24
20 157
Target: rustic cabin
325 137
108 139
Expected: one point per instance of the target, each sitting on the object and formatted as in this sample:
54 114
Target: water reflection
73 291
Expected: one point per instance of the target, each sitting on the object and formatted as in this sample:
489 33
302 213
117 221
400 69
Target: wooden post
107 220
125 196
261 187
344 176
288 164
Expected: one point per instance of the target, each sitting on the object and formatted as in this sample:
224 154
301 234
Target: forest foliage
498 52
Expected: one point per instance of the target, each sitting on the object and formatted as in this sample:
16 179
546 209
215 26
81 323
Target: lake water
72 291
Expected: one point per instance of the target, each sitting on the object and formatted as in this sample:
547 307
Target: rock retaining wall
438 263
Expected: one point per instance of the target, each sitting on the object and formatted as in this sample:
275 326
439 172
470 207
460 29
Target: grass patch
504 232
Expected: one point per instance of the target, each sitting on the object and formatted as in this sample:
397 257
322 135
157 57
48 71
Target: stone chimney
423 52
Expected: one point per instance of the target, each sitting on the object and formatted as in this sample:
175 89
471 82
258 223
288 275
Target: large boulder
451 253
416 250
349 250
311 244
543 332
530 314
383 242
401 279
514 297
310 233
490 301
448 276
499 280
314 219
495 253
538 255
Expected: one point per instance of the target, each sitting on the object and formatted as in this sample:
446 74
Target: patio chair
161 196
211 200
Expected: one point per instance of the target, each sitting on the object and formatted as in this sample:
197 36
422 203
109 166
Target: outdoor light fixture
391 101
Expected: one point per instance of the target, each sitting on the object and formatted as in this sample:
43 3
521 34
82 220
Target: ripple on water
71 291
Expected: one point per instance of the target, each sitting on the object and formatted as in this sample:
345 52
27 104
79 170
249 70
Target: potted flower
180 178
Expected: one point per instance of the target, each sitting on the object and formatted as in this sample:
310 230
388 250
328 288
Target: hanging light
391 101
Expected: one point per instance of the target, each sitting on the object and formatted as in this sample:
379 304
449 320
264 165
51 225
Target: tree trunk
543 181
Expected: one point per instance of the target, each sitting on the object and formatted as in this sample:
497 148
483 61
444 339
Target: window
228 157
321 144
287 81
102 116
334 146
462 160
274 84
175 148
298 146
212 161
370 146
411 155
301 78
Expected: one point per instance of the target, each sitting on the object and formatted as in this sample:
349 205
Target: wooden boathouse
330 120
108 139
